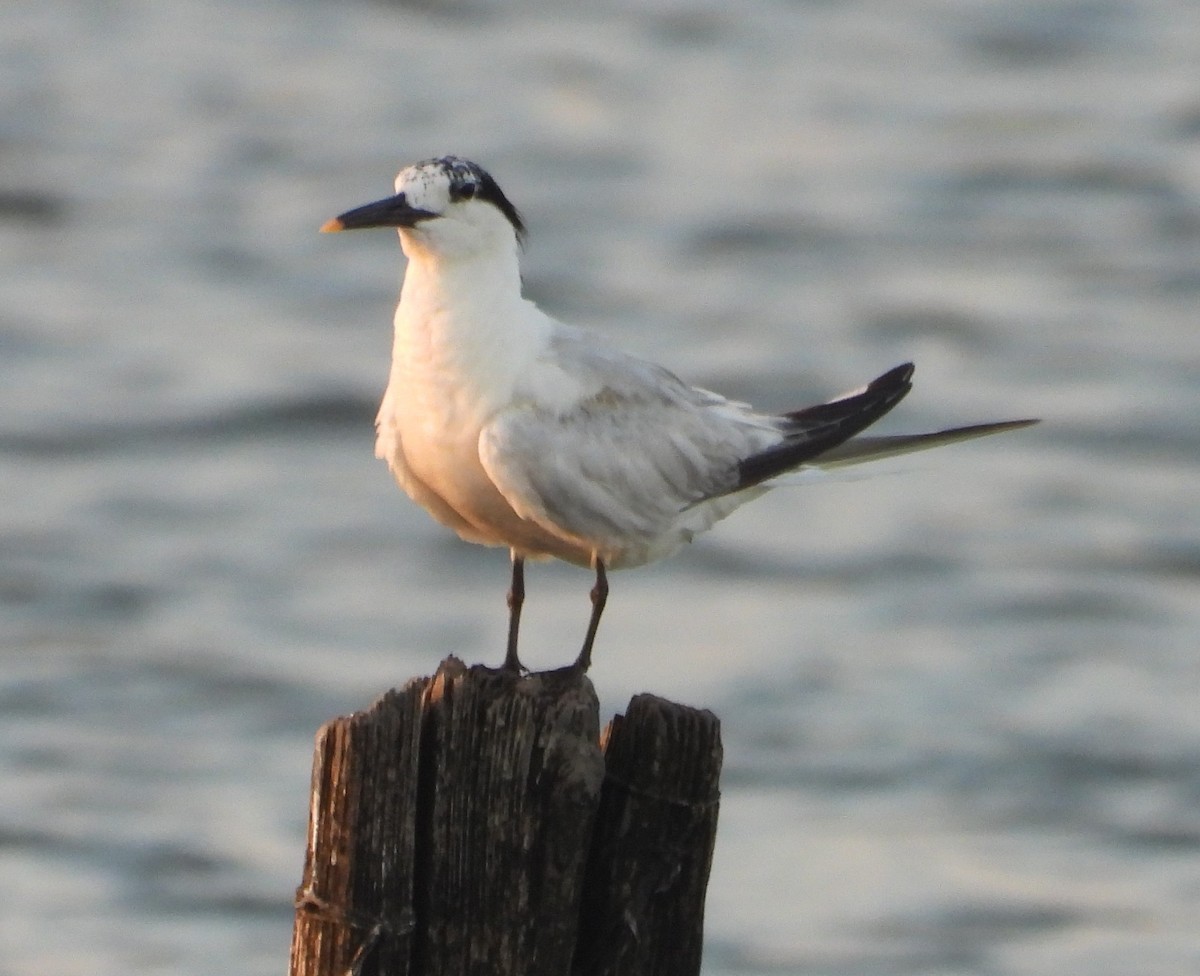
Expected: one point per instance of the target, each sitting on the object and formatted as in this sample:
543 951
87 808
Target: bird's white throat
463 332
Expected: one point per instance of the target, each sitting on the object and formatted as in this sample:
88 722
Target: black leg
599 596
516 597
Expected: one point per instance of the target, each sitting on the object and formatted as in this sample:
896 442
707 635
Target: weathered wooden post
471 823
643 897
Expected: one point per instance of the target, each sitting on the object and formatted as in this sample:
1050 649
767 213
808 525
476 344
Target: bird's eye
467 191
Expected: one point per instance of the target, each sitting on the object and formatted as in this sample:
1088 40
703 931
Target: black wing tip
897 374
897 382
894 385
888 388
813 430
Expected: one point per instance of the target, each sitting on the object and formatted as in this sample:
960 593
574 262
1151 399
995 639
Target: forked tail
822 436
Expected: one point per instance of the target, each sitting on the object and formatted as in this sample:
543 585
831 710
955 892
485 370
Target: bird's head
449 207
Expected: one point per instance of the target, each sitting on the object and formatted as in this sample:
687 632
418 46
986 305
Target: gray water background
961 702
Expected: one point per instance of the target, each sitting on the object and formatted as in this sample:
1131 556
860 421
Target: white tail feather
861 449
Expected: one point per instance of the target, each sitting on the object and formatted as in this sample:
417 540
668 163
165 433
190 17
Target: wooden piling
470 823
652 847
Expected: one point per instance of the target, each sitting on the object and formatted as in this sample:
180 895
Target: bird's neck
463 331
482 277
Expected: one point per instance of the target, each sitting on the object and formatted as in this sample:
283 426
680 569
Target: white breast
455 364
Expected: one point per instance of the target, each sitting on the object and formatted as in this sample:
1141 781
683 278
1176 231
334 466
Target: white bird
516 430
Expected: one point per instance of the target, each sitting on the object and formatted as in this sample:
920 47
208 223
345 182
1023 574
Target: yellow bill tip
332 226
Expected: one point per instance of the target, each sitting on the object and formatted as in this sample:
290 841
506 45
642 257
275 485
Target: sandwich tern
516 430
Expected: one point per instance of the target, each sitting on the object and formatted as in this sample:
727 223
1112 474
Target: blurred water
960 702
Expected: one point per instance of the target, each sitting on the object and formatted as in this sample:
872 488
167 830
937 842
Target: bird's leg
599 596
516 597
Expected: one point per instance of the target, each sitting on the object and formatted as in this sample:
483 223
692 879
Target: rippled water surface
961 702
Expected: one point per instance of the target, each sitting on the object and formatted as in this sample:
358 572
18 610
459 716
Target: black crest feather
469 180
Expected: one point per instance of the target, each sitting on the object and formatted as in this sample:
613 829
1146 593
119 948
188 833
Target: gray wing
621 448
